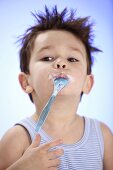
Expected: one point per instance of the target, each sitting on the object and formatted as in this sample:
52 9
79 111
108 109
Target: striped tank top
86 154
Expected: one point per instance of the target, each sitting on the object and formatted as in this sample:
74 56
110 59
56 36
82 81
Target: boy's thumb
36 141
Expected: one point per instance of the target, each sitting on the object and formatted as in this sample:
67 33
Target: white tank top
86 154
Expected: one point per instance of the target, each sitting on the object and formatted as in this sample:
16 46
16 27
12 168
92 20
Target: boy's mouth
60 75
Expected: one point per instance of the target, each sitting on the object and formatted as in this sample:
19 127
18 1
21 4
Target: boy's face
55 53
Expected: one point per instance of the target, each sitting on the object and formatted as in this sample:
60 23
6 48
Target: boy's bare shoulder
108 147
107 133
13 145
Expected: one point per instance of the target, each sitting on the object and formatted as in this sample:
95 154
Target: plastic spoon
59 83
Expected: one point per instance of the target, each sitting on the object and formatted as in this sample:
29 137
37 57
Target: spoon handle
44 113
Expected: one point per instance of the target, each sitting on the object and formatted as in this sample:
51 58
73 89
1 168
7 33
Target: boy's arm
16 155
108 147
13 145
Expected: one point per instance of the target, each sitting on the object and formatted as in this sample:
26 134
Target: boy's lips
60 75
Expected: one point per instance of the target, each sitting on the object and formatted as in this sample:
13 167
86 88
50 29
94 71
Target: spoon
59 84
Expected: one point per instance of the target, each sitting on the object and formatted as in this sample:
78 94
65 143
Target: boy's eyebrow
49 47
44 48
77 49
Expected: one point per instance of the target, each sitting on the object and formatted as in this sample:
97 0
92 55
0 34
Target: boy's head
53 20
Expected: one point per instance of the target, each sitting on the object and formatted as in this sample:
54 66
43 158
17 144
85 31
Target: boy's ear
23 79
88 84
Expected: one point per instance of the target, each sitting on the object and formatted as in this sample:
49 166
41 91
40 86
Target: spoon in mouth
59 84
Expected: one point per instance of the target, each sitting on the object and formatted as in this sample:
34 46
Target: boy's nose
61 64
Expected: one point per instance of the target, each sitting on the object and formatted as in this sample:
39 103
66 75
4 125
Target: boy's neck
63 111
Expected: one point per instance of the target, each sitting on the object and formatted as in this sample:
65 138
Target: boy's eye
47 58
72 59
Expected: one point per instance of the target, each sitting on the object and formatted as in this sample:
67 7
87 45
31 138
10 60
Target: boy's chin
66 95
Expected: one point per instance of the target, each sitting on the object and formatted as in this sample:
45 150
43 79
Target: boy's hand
40 157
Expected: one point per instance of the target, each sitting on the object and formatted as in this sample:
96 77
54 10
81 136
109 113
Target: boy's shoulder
12 145
108 146
107 133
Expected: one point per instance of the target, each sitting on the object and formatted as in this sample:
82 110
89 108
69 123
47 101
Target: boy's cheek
43 86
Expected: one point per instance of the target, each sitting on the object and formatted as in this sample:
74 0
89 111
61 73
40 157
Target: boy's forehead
58 38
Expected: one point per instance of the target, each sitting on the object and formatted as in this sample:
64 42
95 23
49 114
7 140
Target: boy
57 46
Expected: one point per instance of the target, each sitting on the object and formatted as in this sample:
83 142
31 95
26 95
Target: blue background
15 18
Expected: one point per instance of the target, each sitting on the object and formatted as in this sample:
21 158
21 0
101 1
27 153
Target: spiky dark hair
54 20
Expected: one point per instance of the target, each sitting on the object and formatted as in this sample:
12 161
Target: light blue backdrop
15 17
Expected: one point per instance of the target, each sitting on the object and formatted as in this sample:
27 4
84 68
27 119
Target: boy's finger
36 141
52 144
54 163
55 154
